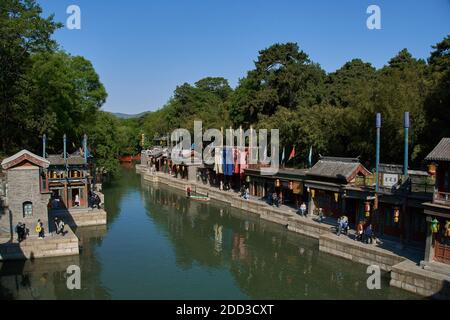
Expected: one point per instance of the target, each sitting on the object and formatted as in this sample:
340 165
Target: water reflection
160 245
46 278
265 260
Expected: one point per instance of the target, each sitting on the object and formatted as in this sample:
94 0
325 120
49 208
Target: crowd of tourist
23 232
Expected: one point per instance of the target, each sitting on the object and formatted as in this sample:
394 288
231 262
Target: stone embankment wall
290 220
406 275
358 252
33 247
81 218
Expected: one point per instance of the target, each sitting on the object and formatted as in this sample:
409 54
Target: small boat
200 198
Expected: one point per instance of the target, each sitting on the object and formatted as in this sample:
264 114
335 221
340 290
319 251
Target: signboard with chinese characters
390 179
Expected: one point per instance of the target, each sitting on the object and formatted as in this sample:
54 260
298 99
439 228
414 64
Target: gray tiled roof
58 160
333 167
441 152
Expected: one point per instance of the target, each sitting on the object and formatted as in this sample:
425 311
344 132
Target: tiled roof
337 168
24 155
58 160
441 152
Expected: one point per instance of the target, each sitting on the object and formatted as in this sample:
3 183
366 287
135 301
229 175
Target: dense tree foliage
23 33
44 90
334 113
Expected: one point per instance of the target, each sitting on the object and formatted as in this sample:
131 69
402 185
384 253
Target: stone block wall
24 186
292 222
82 218
406 275
358 252
33 248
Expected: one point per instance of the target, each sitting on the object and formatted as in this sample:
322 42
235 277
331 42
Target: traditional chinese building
288 183
69 181
399 209
437 211
327 181
27 195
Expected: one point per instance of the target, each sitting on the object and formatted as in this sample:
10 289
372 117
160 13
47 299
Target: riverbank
387 256
32 248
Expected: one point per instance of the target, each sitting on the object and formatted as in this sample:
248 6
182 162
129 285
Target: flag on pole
292 156
283 156
310 157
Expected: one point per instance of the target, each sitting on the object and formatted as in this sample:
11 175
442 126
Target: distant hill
129 116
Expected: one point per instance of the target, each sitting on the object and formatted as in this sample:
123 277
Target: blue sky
143 49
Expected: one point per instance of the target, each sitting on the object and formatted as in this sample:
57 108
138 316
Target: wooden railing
416 185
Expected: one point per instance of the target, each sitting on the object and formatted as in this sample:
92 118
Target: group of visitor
274 200
94 200
59 227
245 193
22 231
321 214
364 232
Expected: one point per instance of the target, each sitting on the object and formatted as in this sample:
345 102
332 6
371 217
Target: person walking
303 209
77 200
61 226
276 200
20 232
56 222
40 229
359 231
321 215
368 233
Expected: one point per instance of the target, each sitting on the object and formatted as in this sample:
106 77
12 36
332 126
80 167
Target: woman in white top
77 200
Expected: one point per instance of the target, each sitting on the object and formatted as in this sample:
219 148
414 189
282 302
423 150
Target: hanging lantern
277 183
247 179
183 168
336 196
432 169
434 226
375 202
447 228
367 207
313 193
291 185
396 215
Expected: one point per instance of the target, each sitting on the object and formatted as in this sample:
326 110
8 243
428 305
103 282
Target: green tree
104 137
437 104
23 32
63 95
283 77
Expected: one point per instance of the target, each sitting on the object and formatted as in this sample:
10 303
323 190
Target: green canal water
159 245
